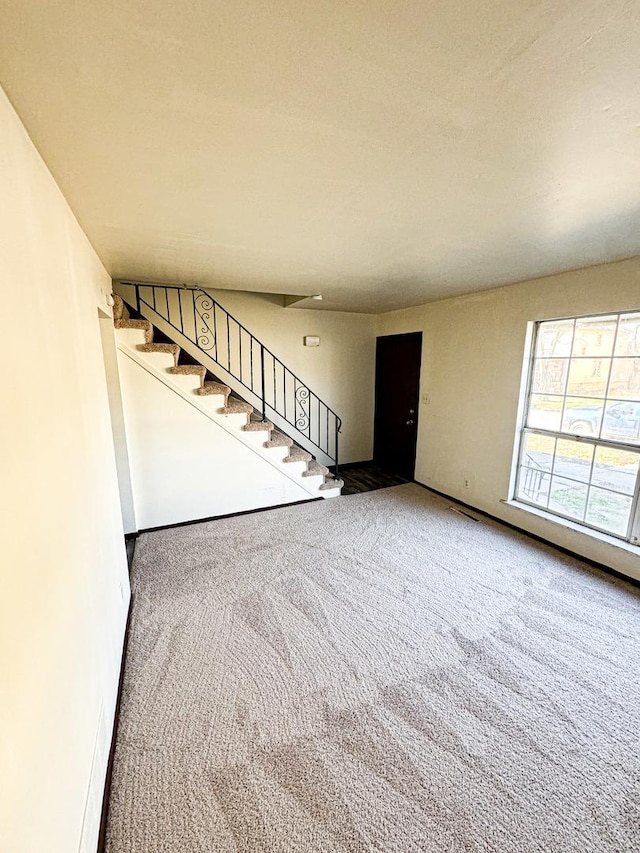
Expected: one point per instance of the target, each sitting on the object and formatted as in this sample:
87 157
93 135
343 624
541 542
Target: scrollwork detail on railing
204 333
302 408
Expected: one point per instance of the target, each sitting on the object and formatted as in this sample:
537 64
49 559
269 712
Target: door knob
409 423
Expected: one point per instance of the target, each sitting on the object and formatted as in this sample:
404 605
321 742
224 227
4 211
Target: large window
580 444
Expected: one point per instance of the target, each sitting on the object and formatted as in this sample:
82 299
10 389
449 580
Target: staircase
203 387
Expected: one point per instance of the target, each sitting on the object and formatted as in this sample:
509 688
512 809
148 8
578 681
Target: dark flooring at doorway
367 476
130 545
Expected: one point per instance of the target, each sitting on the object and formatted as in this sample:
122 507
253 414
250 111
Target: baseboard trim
104 816
602 566
227 515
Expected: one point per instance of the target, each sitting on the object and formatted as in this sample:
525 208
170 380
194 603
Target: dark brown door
398 360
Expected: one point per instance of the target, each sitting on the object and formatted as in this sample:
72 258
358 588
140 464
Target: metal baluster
240 352
327 436
215 330
251 339
180 309
228 344
262 379
275 407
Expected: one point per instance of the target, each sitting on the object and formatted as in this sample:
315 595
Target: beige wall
473 349
340 371
64 590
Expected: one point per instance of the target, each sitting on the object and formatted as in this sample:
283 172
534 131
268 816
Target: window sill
578 528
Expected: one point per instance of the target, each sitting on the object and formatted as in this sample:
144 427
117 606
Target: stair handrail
207 340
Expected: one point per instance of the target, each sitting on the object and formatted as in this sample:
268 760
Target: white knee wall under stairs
188 459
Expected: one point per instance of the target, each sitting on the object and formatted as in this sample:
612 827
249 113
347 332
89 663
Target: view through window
580 445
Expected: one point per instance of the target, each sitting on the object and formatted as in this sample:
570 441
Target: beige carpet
378 673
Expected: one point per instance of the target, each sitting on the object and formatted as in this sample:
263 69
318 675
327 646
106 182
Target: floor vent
462 512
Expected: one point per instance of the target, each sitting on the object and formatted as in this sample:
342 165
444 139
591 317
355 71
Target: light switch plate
311 341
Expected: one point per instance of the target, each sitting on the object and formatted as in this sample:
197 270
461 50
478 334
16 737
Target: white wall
473 349
184 466
341 371
64 585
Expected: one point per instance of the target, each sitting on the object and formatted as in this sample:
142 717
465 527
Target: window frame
632 535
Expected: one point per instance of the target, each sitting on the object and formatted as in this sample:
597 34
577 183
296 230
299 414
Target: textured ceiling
381 153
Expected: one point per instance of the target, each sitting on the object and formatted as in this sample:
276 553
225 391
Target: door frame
418 334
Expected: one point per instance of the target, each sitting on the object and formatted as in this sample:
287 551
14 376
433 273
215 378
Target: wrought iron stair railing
278 393
533 483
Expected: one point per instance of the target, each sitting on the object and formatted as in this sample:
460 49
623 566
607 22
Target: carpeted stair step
144 325
236 407
258 426
278 439
314 468
169 349
189 370
214 388
297 454
120 310
331 483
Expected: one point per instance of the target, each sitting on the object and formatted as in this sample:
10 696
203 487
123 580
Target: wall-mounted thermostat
311 341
